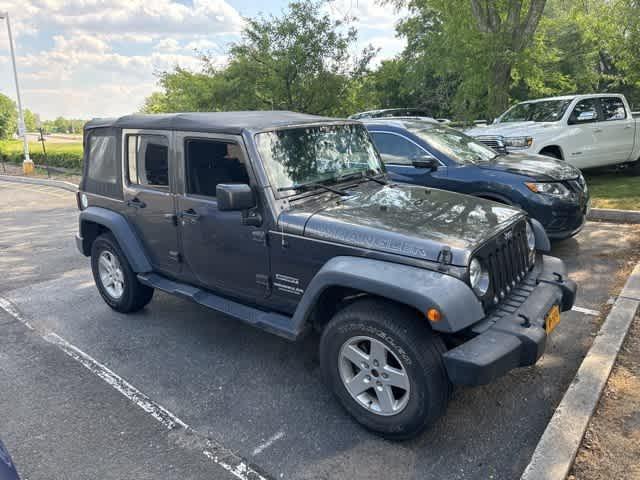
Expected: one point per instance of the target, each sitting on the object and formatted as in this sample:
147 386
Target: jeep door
149 197
219 252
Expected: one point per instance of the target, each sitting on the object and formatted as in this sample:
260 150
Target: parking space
261 396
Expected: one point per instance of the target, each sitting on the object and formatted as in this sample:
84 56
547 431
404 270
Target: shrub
65 155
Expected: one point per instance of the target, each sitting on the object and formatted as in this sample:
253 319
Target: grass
615 190
67 155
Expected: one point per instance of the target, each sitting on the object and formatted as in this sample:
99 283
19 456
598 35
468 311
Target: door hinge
259 236
264 281
175 256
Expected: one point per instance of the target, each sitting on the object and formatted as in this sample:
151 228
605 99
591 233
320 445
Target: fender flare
543 243
416 287
123 232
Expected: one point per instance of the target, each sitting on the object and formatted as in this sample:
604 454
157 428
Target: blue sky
87 58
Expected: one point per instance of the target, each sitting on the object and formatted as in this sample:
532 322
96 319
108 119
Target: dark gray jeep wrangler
288 222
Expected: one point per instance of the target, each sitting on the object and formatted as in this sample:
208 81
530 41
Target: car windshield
303 156
456 145
546 111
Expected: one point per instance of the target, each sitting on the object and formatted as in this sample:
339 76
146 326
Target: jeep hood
405 220
512 129
537 167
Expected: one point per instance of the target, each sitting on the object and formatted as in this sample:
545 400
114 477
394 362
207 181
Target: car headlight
478 277
549 188
517 142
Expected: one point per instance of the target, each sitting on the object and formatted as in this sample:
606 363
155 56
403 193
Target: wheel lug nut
367 379
375 363
385 375
365 366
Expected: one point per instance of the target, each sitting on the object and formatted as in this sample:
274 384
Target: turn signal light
434 315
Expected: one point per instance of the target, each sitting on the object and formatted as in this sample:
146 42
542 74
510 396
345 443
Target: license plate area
552 319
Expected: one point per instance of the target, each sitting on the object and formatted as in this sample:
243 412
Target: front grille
495 142
507 259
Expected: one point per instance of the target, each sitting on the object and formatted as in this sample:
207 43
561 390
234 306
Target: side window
585 111
396 150
148 160
102 158
612 109
210 162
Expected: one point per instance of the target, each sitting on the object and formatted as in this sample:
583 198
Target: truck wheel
115 280
385 366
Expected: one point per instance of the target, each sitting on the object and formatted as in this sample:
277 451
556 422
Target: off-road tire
135 295
408 336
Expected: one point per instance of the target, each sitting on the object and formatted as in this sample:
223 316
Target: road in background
252 392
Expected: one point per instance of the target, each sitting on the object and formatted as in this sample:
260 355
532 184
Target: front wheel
116 281
384 364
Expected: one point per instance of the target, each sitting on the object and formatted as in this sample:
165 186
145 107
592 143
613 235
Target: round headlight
531 238
478 277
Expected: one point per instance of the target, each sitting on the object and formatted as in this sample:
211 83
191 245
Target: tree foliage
464 59
299 61
8 117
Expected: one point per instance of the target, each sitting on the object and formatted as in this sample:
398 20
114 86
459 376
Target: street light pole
27 165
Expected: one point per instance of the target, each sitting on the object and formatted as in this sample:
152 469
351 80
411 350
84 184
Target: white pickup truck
586 131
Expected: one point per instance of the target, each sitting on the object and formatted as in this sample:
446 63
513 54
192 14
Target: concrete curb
40 181
557 448
613 215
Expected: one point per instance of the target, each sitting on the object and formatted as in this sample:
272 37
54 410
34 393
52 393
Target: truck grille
495 142
507 259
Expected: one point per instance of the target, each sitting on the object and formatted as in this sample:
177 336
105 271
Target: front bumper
513 336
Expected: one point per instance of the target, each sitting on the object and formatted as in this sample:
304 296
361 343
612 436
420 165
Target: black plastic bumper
507 341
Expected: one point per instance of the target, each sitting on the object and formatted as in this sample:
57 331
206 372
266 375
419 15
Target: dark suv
288 222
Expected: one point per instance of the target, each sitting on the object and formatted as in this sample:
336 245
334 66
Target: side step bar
269 321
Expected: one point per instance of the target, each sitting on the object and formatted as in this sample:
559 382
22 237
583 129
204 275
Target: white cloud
372 14
94 58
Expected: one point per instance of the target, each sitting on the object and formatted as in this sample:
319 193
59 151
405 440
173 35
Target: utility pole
27 164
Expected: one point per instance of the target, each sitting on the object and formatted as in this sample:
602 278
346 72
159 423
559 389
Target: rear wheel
385 366
116 281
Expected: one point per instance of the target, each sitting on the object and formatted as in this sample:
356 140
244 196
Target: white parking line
586 311
218 454
270 441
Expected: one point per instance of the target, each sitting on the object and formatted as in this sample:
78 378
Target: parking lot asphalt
253 393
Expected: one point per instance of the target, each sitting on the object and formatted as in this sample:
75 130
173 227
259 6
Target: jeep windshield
302 157
461 148
543 111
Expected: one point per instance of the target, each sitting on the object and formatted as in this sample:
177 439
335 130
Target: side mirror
425 161
234 197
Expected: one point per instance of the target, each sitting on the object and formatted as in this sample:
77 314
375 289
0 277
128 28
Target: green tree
30 120
299 61
8 117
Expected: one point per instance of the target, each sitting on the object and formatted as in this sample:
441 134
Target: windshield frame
349 177
564 109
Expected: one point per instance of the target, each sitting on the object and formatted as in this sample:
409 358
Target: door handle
597 130
191 214
136 203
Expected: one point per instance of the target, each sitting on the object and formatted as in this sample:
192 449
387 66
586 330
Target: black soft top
214 122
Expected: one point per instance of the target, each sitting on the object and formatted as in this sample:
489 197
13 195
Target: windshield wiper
306 186
362 175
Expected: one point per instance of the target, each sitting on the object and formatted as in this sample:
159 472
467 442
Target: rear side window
148 160
396 150
613 108
102 159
